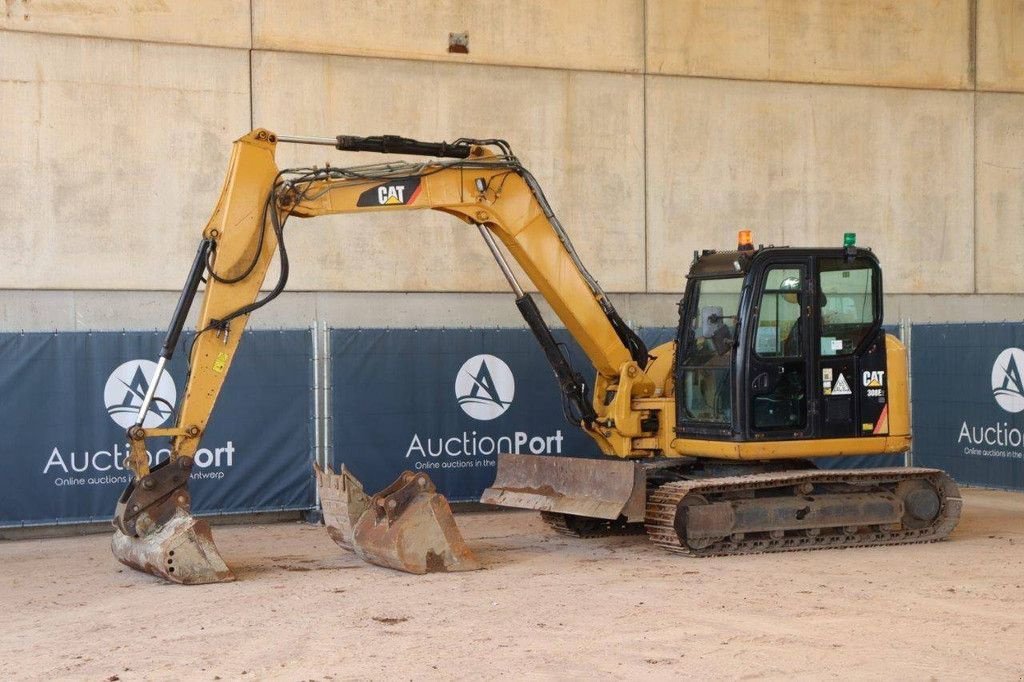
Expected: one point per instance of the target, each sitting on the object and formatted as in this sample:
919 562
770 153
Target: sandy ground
544 607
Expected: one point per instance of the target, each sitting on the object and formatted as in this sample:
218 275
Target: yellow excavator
780 357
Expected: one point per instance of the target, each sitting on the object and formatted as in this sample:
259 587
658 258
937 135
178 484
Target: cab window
706 361
847 304
779 370
778 322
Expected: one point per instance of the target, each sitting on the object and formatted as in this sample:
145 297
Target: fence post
314 332
326 446
906 331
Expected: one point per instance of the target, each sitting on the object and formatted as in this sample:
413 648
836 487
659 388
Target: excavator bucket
182 551
155 533
407 526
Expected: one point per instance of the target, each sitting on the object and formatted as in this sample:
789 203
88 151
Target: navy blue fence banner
968 401
447 401
66 399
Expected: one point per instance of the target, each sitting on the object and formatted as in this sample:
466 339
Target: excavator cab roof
710 263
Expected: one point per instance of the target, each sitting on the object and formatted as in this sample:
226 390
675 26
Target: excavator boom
479 181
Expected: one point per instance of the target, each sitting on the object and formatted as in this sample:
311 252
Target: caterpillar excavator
780 358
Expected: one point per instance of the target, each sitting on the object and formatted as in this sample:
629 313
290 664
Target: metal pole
502 263
905 334
316 403
151 391
325 364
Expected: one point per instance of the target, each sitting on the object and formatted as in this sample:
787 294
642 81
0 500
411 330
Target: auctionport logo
485 387
1007 387
127 386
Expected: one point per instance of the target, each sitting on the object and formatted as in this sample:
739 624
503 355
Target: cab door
851 379
781 353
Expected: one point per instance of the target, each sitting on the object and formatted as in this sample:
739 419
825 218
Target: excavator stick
155 533
407 526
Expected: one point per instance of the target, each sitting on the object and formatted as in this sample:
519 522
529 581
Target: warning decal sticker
841 387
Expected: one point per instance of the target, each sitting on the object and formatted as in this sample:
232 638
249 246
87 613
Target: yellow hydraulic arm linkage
478 181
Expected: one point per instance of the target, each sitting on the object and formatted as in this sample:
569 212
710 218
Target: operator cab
781 343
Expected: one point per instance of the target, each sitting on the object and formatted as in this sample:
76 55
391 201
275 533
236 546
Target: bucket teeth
180 551
407 526
343 502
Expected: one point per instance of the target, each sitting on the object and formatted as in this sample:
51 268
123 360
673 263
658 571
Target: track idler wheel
694 537
155 533
921 503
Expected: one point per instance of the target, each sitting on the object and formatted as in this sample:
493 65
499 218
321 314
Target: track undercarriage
795 510
704 509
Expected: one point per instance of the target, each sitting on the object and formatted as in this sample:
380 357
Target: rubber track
557 522
662 504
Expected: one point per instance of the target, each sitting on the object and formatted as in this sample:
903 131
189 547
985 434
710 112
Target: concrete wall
656 127
908 43
801 164
556 115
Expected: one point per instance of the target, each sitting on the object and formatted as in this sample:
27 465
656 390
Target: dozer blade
407 526
155 533
602 489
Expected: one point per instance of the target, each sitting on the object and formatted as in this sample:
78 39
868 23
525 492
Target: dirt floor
544 607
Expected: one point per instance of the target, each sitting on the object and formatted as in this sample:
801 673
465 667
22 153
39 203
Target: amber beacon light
746 241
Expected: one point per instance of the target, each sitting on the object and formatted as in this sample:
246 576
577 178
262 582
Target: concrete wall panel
115 310
602 35
580 133
114 153
221 23
1000 188
1001 45
801 165
914 43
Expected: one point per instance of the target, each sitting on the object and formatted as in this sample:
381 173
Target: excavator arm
478 181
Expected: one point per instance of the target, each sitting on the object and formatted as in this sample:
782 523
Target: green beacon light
850 239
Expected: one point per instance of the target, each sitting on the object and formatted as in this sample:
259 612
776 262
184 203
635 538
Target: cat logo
391 195
397 192
873 379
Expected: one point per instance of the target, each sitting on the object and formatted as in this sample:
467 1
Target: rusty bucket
407 526
180 551
155 532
